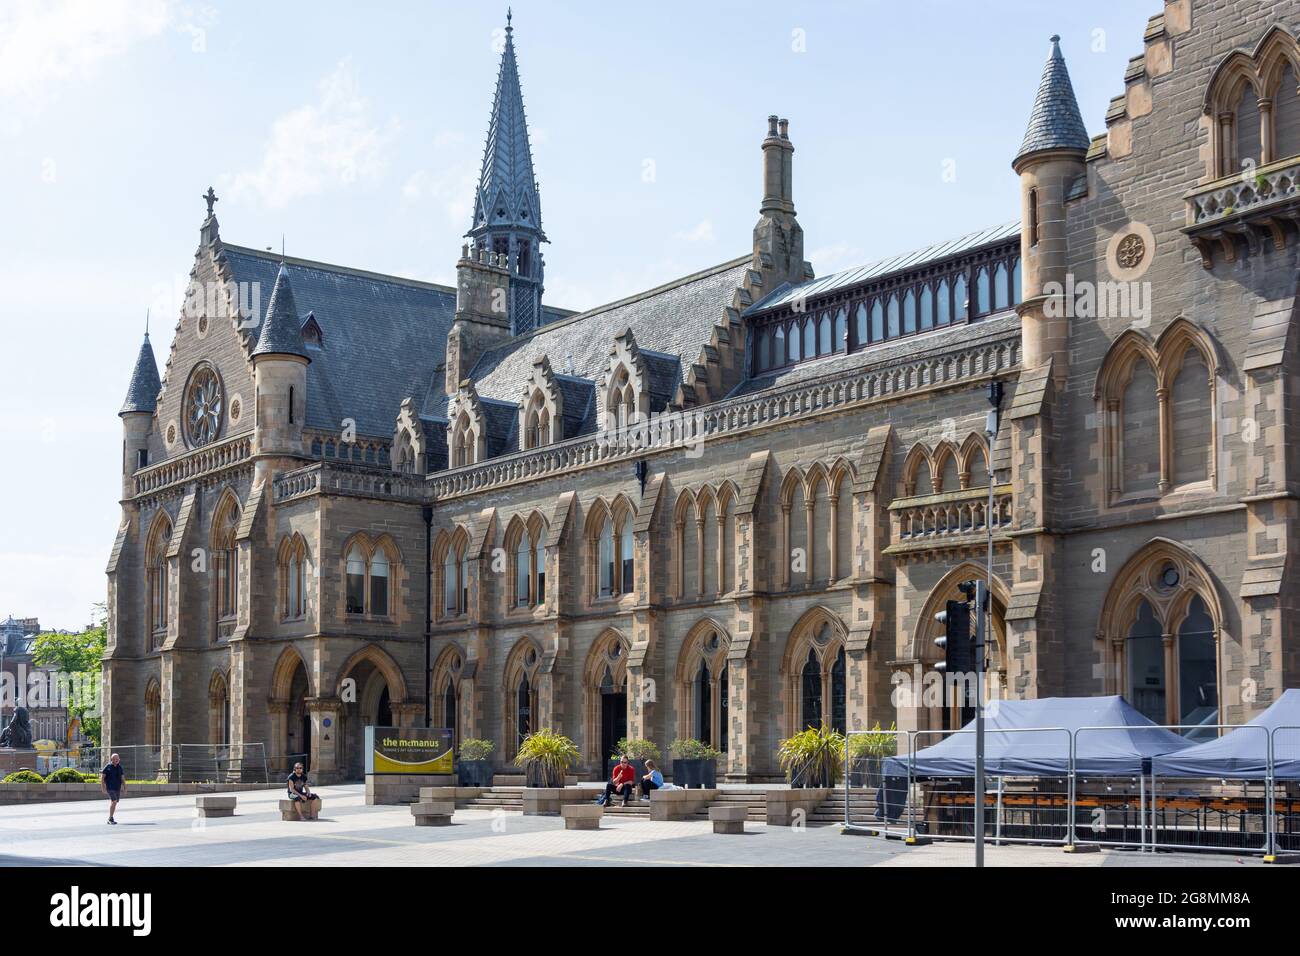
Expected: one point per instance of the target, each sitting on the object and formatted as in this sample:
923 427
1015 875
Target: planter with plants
867 754
546 757
638 752
473 764
813 758
695 764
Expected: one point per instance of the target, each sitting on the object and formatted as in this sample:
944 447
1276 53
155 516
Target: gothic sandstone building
729 507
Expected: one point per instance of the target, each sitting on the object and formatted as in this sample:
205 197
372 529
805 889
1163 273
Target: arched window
1286 115
625 553
1140 418
1001 287
450 556
1248 129
841 340
450 709
521 679
811 677
539 562
1192 431
796 352
960 300
927 307
809 339
1159 620
293 577
944 302
894 325
1016 283
909 312
607 558
877 321
765 350
157 570
981 291
450 584
861 333
537 422
225 557
356 580
778 347
379 569
704 687
522 572
444 706
824 346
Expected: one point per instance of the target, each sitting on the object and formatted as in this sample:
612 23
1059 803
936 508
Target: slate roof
142 393
281 330
580 404
674 320
502 426
1055 122
786 294
383 336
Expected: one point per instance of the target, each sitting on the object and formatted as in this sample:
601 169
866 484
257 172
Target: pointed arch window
379 583
909 312
225 558
877 321
927 307
765 350
796 350
960 299
704 692
356 580
824 346
809 339
943 301
818 679
156 563
811 711
293 578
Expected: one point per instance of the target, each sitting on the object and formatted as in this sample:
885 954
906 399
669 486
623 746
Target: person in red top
621 780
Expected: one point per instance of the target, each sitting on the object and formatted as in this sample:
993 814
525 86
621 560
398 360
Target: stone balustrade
1268 185
950 515
198 463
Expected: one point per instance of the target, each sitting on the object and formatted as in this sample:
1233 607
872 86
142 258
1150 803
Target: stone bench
289 812
433 813
582 816
728 819
209 806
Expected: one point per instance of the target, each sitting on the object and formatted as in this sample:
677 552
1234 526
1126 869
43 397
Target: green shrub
473 748
813 758
24 776
691 749
547 756
635 749
66 775
875 744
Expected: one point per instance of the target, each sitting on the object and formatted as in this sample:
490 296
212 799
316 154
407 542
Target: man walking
112 780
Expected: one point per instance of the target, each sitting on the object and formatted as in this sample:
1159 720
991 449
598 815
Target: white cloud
44 43
703 232
450 183
836 258
331 143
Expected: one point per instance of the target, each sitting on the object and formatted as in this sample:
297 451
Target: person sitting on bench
621 780
304 801
653 780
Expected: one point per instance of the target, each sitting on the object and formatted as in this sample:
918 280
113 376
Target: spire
1055 122
142 393
507 190
281 332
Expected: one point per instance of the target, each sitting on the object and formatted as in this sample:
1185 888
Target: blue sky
356 132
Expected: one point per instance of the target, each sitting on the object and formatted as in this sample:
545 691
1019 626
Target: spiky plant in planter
813 758
867 753
546 757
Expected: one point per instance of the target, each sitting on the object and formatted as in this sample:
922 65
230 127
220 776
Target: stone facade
732 505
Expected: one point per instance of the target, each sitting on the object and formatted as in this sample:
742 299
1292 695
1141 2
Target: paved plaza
164 831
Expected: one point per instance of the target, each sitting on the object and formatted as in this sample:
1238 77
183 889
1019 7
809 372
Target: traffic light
956 640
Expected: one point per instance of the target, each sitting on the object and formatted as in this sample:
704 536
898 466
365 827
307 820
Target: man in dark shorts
112 780
304 801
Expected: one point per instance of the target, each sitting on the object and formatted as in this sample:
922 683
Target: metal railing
1251 809
183 763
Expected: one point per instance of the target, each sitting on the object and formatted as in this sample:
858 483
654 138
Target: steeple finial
1055 122
210 197
509 15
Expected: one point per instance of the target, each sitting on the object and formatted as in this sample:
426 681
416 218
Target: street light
983 608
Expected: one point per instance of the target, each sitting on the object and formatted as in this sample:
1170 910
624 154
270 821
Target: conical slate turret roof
142 393
281 332
1055 122
507 188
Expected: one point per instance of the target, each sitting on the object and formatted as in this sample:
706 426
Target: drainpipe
428 604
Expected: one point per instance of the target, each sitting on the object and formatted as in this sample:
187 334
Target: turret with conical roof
280 374
1050 161
137 414
507 205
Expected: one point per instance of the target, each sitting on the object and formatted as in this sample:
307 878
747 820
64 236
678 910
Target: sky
353 133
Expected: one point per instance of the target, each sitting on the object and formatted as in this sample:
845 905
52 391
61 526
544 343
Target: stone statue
18 734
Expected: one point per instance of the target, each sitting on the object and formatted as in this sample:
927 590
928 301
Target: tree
76 659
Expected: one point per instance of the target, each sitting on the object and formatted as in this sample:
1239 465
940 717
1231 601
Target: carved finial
509 15
210 197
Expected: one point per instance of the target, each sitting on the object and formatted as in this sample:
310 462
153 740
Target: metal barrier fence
1257 812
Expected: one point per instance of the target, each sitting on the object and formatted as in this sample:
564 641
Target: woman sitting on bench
304 801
